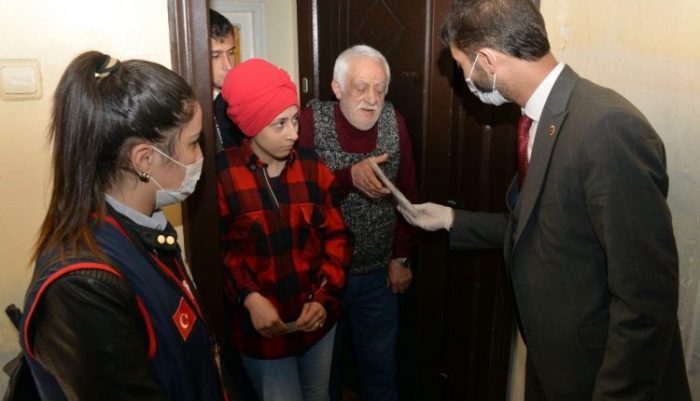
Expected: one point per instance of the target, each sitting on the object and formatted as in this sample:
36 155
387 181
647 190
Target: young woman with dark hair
111 312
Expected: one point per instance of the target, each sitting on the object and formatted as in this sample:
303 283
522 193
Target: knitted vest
371 221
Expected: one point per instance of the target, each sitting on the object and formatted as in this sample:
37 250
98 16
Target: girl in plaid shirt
285 245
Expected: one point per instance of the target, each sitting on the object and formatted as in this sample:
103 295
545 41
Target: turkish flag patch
184 319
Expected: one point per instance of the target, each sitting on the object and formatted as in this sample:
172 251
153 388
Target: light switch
20 79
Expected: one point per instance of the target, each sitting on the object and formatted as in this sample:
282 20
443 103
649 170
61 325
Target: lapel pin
551 130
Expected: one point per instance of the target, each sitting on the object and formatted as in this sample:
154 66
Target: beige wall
281 35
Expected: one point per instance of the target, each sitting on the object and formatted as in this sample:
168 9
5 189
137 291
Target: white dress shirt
535 105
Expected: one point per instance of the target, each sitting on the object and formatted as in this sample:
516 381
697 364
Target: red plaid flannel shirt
291 247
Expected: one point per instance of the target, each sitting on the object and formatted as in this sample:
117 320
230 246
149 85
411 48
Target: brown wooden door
456 320
189 46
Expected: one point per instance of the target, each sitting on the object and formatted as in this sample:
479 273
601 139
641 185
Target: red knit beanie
256 92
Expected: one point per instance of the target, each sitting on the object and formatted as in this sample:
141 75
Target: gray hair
342 63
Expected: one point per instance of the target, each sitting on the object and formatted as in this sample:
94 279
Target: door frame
190 57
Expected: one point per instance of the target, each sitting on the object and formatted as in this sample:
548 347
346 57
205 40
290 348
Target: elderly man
588 240
360 127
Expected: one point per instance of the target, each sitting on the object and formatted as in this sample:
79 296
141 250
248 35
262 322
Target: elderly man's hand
364 179
398 277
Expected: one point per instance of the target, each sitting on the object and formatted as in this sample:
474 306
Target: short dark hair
98 116
514 27
219 26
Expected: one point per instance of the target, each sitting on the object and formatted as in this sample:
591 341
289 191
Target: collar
215 92
253 162
156 221
535 104
154 231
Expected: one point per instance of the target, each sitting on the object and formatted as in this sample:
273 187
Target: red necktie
523 137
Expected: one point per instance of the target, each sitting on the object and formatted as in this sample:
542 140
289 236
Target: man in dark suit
223 48
589 243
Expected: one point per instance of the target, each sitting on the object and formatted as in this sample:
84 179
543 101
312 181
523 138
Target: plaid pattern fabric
289 244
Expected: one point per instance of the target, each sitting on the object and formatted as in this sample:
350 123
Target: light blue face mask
494 97
193 171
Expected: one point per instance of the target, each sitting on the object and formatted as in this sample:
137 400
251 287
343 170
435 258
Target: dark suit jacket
230 134
591 253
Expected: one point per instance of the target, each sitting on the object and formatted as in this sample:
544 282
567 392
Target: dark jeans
371 309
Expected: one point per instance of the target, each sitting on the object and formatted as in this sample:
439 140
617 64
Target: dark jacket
590 249
229 135
123 329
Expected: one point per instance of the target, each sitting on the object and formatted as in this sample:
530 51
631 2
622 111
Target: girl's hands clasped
312 317
264 316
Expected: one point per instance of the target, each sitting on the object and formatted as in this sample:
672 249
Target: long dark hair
102 108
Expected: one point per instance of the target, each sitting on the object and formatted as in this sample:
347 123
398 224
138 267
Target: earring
144 177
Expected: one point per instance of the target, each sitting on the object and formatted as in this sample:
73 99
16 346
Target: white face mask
193 171
494 97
